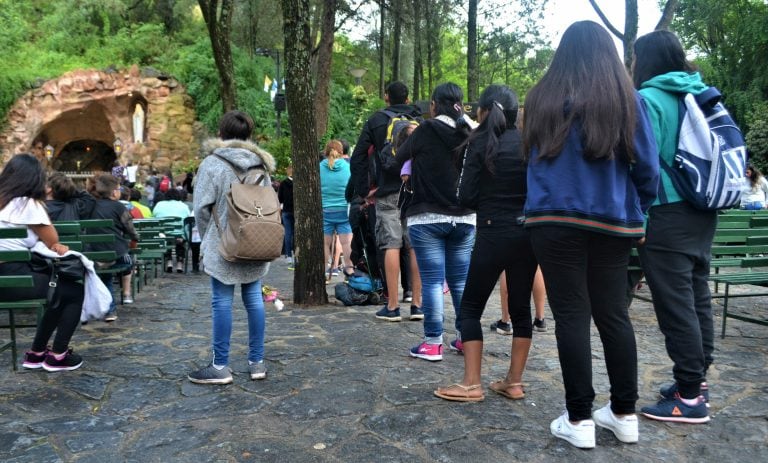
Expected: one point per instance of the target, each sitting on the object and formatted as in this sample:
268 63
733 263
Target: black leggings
499 248
62 314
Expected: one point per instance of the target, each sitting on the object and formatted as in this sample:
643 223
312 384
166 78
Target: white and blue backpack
711 158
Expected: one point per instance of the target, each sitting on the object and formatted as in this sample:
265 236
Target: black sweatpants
499 249
585 274
675 259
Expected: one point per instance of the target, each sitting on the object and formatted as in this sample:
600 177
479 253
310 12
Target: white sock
218 367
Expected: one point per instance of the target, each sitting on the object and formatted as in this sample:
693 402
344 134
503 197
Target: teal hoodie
661 96
333 183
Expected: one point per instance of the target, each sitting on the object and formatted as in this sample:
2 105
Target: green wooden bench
754 276
17 281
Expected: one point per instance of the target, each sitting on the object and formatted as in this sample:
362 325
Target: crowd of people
555 198
548 201
36 199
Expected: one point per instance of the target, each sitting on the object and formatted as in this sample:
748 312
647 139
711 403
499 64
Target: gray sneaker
210 375
258 370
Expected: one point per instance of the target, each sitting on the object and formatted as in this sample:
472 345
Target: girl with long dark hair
441 231
592 172
22 192
493 183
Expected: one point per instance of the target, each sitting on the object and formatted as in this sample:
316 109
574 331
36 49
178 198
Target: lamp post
358 74
279 100
48 150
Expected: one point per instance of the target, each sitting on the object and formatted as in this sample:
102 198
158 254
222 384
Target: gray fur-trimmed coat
212 182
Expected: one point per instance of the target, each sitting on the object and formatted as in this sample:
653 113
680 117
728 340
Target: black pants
675 259
585 274
180 251
195 248
499 249
63 313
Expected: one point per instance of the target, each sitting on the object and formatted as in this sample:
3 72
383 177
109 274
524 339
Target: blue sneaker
677 411
669 391
457 346
389 315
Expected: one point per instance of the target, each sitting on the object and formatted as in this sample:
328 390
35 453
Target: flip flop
501 387
462 397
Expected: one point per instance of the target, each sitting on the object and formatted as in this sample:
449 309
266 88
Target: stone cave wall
98 105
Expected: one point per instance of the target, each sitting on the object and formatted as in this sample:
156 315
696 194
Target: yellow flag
267 83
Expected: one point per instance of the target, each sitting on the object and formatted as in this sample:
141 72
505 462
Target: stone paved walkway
341 388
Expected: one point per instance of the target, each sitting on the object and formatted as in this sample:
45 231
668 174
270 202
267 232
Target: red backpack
165 184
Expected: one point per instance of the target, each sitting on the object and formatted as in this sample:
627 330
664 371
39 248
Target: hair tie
498 105
458 108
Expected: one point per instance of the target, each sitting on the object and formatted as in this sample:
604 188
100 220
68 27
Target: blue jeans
288 237
221 303
124 263
443 251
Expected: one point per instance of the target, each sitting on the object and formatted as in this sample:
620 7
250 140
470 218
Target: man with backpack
374 182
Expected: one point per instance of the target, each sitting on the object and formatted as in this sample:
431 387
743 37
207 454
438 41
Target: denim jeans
443 251
288 237
125 263
221 303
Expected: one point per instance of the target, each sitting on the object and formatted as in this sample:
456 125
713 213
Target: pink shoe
431 352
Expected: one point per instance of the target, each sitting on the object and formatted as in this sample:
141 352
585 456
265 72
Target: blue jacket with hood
606 196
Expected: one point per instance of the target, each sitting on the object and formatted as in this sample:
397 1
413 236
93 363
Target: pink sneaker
431 352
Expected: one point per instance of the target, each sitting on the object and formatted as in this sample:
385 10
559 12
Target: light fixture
358 74
118 145
48 152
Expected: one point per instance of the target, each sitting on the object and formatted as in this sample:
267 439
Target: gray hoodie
211 185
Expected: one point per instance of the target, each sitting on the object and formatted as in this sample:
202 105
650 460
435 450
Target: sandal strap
465 388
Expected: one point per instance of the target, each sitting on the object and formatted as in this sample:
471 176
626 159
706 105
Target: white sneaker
624 428
581 435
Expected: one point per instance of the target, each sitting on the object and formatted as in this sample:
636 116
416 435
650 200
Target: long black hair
448 99
22 176
586 84
658 53
500 105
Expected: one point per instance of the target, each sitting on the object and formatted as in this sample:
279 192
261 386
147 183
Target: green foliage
190 165
757 136
280 149
730 40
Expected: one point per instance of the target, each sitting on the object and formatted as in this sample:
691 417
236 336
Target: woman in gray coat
211 185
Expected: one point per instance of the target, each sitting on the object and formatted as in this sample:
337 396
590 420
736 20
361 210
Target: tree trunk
324 58
630 24
472 71
219 23
418 69
630 32
309 279
430 48
382 29
397 18
667 15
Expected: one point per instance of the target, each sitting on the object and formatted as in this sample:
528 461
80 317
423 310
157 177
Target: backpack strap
235 170
241 180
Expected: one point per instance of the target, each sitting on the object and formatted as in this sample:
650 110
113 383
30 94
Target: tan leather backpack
254 230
